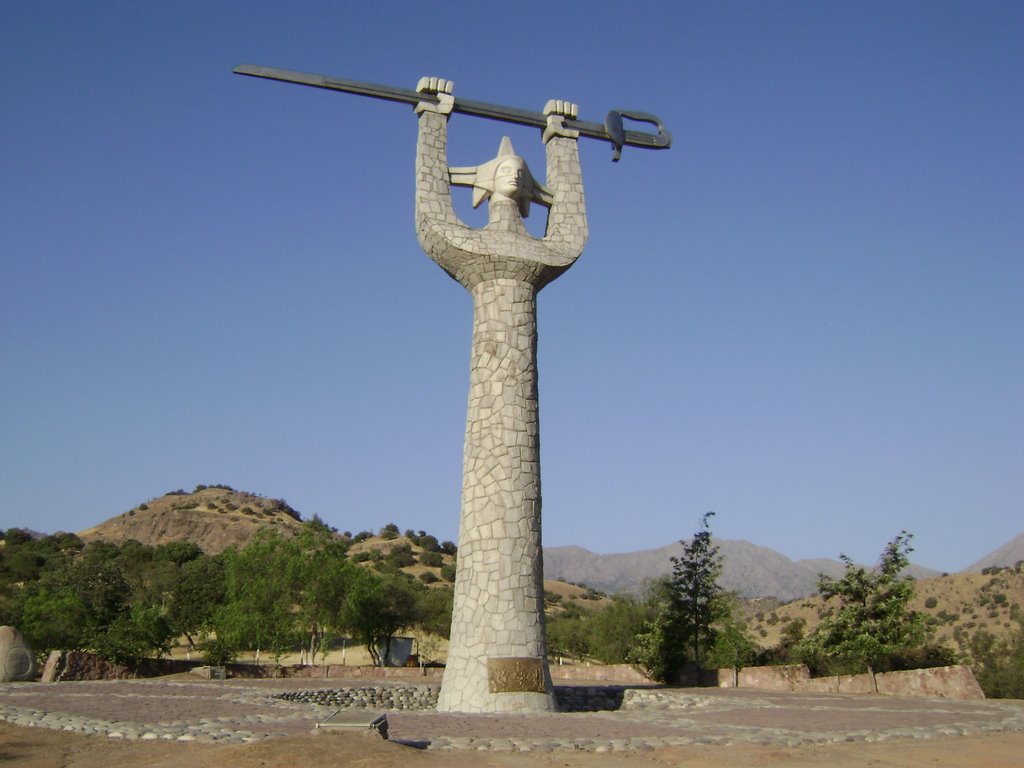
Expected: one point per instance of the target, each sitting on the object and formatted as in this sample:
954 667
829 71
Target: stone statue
497 661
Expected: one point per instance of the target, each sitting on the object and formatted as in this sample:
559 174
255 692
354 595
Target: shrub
999 664
217 652
448 572
427 542
401 556
17 536
931 602
428 577
431 559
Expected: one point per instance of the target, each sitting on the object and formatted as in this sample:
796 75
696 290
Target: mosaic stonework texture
497 660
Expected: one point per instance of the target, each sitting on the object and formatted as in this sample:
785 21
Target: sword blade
661 140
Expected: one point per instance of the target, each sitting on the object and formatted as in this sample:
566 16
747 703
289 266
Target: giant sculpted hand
557 111
439 87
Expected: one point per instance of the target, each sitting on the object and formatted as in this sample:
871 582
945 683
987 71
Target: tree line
687 622
127 602
277 595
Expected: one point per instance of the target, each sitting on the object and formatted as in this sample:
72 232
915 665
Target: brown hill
955 607
217 517
214 518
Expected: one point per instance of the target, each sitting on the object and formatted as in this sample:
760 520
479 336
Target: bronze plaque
515 675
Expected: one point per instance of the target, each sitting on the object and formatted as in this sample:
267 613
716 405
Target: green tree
378 607
134 635
435 612
613 629
568 635
177 552
732 647
872 621
99 580
695 597
656 651
262 588
689 605
52 616
199 592
323 575
87 602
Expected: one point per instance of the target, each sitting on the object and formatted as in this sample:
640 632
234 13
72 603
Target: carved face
510 178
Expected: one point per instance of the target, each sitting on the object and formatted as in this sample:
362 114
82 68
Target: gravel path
643 718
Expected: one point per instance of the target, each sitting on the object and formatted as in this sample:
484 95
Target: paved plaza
245 711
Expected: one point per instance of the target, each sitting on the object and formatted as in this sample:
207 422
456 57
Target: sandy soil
39 748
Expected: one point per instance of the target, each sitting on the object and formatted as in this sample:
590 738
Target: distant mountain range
1011 553
747 569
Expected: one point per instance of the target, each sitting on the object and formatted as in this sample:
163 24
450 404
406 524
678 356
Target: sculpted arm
567 219
435 217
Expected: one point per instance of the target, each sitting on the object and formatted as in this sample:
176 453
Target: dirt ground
40 748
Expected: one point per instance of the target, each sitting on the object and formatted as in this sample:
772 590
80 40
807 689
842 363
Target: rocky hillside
747 569
1006 556
217 517
955 606
214 517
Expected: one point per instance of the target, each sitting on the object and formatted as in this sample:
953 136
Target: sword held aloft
611 131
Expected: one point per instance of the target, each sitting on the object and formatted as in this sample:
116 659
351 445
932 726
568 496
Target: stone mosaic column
497 660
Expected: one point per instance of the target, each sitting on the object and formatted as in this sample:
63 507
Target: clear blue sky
807 315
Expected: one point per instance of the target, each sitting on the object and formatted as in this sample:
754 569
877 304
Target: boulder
17 662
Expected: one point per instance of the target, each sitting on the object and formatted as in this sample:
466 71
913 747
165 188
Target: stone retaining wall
64 666
574 698
956 682
609 673
341 672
